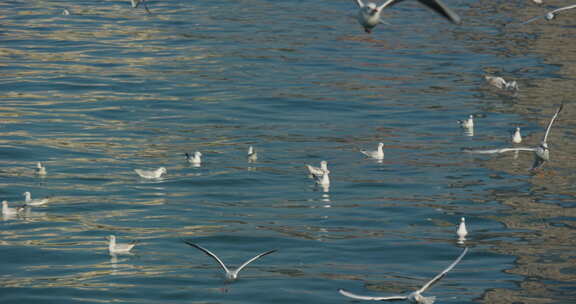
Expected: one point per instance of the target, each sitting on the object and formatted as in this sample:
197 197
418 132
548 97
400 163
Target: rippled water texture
109 89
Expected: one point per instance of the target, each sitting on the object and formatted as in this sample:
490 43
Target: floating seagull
318 171
231 275
517 137
34 202
551 14
502 84
7 211
414 297
462 232
66 12
378 154
136 3
196 160
369 15
541 152
252 155
116 248
322 180
467 123
40 169
151 174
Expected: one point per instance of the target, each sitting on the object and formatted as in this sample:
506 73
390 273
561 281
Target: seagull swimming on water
413 297
516 136
369 15
541 152
462 232
40 169
117 248
318 171
230 275
551 14
467 123
252 155
10 211
34 202
195 160
377 154
502 84
151 174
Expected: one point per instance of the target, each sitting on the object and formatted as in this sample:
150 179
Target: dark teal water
110 89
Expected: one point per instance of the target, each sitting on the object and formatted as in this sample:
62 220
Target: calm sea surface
109 89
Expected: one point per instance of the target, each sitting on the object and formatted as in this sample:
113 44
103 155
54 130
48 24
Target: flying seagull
369 15
415 296
230 275
541 152
551 14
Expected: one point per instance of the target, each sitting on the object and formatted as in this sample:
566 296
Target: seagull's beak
374 11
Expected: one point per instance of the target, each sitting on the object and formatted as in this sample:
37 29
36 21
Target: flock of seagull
369 16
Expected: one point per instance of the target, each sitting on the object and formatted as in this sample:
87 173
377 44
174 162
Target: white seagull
551 14
467 123
541 152
318 171
136 3
40 169
516 136
8 211
462 232
117 248
369 15
252 155
378 154
500 83
34 202
414 297
322 180
151 174
231 275
195 160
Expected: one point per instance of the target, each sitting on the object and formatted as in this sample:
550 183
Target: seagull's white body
467 123
34 202
462 232
413 297
322 180
500 83
117 248
230 274
541 152
151 174
252 155
378 154
369 14
196 159
40 169
66 12
7 211
318 171
517 137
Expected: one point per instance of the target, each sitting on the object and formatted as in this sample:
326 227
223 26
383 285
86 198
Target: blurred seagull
551 14
318 171
230 275
467 123
28 201
8 211
252 155
322 180
414 297
378 154
517 137
117 248
151 174
369 15
40 169
462 232
195 160
541 152
136 3
65 12
502 84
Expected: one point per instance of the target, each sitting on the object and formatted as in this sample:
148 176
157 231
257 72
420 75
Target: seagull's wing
563 8
254 259
533 19
359 297
360 3
502 150
439 276
385 4
551 122
439 7
209 253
